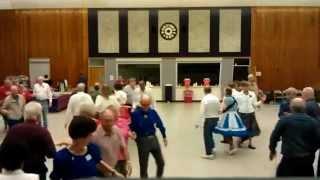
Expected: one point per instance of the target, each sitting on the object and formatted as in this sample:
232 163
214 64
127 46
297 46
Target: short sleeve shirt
69 166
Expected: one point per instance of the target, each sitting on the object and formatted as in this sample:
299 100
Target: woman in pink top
123 121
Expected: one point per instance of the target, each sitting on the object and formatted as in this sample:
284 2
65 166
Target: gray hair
88 110
40 78
81 87
32 110
308 93
297 105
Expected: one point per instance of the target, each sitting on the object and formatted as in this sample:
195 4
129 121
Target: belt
147 137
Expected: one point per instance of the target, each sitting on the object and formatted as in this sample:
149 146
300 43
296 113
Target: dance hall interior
97 89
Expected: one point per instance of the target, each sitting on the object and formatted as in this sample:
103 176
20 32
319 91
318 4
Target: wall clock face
168 31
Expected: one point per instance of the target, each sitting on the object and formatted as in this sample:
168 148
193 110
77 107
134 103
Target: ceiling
31 4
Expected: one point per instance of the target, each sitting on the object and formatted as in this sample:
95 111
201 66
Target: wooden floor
182 156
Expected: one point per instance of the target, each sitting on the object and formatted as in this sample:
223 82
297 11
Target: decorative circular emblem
168 31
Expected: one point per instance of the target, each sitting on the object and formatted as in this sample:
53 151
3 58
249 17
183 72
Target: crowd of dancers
233 117
101 122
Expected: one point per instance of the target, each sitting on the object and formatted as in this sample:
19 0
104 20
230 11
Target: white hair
32 110
87 109
40 78
81 87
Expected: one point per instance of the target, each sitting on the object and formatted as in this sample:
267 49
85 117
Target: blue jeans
209 125
45 110
13 122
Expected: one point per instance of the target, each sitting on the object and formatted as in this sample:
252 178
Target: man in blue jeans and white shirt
42 93
209 113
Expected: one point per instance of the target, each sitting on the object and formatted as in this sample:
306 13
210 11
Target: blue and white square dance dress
231 124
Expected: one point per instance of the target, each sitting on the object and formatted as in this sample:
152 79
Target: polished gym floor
182 156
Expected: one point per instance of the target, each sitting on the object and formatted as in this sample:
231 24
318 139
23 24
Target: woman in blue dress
230 125
81 159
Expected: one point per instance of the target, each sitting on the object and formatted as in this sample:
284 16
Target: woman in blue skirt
230 125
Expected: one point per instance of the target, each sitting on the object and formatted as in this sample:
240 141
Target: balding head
14 90
251 78
297 105
308 93
107 118
81 87
145 101
40 79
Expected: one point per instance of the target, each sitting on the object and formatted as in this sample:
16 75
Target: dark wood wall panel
60 35
286 47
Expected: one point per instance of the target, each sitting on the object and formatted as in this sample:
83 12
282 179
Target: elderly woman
81 159
106 98
38 140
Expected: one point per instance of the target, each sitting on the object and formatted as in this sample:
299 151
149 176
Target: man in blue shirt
143 125
299 135
312 107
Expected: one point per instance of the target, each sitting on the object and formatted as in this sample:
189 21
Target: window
197 71
146 72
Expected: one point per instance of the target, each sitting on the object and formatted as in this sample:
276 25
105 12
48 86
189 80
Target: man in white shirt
209 114
132 93
143 89
76 101
247 104
43 94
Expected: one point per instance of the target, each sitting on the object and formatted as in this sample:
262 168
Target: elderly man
144 121
76 101
38 140
300 140
312 107
132 92
42 93
143 89
109 139
12 107
209 117
284 108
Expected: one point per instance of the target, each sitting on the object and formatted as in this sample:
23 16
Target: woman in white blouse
106 98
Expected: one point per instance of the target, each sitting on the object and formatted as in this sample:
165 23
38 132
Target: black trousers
296 167
147 145
209 125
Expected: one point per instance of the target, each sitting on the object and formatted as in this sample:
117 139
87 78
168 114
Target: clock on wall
168 31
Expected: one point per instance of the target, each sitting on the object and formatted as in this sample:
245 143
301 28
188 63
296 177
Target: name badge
88 157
